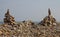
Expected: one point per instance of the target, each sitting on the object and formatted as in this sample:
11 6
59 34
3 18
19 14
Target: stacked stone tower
9 19
48 20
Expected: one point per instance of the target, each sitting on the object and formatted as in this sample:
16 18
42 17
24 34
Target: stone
1 32
9 19
48 20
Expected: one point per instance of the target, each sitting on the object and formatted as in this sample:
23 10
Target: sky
34 10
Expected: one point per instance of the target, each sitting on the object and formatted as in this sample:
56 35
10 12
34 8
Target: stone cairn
9 19
48 20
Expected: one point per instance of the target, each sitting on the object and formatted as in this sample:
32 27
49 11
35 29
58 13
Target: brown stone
0 32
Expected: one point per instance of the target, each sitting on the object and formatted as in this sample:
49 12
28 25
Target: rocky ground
29 29
48 27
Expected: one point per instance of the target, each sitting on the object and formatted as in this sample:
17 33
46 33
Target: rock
1 32
48 20
9 19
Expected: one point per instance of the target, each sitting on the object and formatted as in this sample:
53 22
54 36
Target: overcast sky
33 10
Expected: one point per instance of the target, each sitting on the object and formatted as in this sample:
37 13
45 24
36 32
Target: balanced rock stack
48 20
9 19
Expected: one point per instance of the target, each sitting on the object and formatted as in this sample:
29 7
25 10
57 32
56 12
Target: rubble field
28 29
48 27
